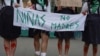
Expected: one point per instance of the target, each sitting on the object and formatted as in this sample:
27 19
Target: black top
7 30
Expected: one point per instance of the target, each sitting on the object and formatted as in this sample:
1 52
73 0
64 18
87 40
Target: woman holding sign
9 32
91 33
40 5
64 35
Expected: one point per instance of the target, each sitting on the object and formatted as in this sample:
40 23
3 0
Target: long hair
2 2
33 1
46 2
18 1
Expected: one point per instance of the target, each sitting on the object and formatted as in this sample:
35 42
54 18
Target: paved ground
25 47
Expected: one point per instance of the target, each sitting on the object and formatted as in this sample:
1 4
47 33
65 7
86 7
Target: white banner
25 17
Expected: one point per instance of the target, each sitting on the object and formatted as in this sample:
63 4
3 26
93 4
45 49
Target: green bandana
41 2
94 6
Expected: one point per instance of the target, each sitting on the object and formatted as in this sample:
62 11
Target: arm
84 8
20 4
15 4
33 4
29 3
58 4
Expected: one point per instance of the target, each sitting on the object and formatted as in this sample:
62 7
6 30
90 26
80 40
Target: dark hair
33 1
46 2
18 1
90 1
2 1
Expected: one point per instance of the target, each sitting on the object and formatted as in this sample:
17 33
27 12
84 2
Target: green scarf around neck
94 6
41 2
